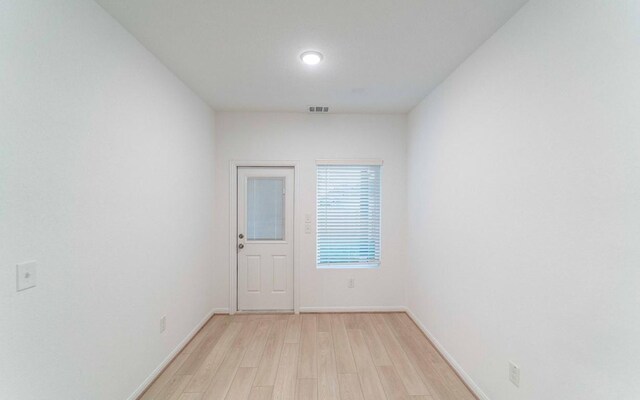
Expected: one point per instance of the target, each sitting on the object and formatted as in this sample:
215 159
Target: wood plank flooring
356 356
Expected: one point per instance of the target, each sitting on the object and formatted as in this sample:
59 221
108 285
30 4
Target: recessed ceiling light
311 57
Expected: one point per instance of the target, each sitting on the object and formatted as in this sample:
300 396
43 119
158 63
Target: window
348 215
265 208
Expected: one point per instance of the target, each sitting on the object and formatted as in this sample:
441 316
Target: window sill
348 266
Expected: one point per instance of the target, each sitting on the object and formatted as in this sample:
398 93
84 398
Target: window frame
372 264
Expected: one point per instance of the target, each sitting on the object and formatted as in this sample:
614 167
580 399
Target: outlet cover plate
514 374
163 323
26 276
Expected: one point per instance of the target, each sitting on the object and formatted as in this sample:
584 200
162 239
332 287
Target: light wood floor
309 357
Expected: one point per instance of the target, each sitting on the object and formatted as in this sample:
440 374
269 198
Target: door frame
233 228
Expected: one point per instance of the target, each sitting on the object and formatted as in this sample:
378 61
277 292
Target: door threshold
265 312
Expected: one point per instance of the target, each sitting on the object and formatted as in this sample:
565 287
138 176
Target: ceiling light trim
311 57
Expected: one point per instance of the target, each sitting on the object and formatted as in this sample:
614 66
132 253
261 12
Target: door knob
241 236
241 246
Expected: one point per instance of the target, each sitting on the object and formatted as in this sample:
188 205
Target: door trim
233 228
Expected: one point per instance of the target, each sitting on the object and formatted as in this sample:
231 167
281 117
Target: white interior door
265 238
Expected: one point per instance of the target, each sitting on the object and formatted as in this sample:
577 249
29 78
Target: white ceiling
380 55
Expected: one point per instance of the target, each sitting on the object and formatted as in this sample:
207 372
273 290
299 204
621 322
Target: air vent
318 109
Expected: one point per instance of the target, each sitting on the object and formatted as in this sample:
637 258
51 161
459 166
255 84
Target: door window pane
265 208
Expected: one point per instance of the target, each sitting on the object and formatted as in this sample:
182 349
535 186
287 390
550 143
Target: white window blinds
348 215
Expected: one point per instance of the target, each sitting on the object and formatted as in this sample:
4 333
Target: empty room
319 200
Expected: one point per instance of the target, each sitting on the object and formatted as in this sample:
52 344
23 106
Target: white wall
106 179
305 138
524 205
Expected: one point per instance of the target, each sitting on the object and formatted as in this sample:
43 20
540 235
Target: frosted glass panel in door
265 209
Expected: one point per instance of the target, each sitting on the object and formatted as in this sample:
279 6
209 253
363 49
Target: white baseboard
156 372
454 364
220 311
353 309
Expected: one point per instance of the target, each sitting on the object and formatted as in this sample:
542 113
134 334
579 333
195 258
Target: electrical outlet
514 374
163 323
352 283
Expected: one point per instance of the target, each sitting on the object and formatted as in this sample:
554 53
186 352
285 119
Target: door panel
253 274
280 272
265 238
